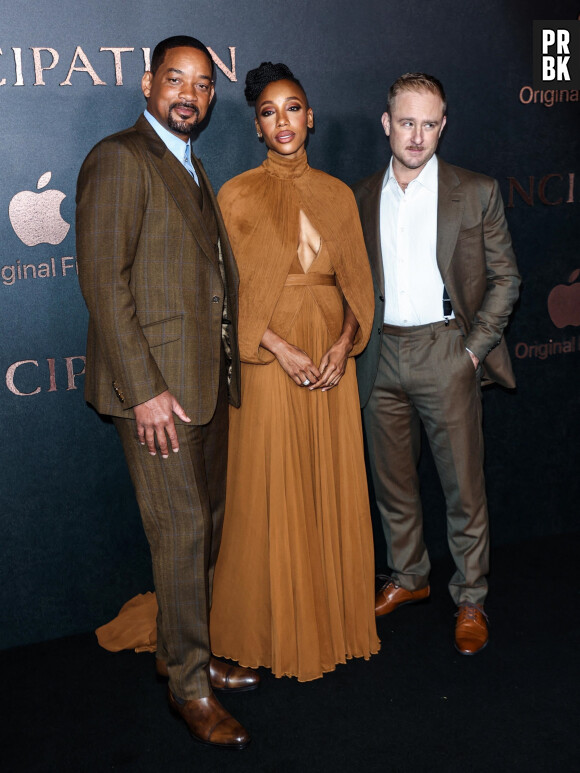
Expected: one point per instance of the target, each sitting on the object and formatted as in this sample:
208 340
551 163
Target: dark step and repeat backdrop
72 549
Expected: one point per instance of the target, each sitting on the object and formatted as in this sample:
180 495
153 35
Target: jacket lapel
450 205
212 199
370 214
179 183
225 250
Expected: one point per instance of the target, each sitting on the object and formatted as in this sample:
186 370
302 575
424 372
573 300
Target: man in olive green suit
160 282
445 281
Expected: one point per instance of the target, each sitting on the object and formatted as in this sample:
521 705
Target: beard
179 126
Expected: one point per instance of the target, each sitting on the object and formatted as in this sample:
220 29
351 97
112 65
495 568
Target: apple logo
564 302
36 217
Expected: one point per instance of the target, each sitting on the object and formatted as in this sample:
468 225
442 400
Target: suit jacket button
381 298
118 392
215 299
380 330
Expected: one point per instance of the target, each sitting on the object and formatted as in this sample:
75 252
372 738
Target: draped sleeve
258 224
261 211
334 212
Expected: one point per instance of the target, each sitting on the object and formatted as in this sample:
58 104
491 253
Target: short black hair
177 41
262 76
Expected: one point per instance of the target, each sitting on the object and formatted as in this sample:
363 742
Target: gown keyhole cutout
309 242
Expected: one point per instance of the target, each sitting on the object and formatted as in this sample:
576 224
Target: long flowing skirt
294 582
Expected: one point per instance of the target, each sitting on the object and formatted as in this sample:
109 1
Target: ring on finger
306 382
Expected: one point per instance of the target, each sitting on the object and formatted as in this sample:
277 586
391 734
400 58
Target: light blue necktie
187 162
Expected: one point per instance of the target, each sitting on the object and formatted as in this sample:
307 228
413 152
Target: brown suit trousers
426 375
182 502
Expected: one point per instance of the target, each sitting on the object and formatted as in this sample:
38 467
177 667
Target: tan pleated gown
294 582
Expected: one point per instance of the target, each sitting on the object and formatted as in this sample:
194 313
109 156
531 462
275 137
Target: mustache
189 105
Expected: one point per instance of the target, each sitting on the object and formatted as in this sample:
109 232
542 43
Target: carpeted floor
417 706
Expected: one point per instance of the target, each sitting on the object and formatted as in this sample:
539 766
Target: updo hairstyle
262 76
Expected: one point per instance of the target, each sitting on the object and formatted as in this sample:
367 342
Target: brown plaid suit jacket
151 279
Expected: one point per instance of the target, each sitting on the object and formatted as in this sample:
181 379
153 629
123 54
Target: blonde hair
416 81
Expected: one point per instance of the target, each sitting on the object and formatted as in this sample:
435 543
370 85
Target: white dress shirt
408 226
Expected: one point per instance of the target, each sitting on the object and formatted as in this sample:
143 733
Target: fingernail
175 450
152 453
165 456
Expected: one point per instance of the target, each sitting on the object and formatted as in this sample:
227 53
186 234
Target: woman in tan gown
294 582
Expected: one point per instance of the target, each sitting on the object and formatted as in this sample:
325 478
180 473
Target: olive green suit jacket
476 261
151 279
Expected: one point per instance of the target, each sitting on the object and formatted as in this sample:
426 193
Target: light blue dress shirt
180 149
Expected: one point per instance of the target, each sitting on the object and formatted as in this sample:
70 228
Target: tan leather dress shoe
393 596
222 676
210 723
471 634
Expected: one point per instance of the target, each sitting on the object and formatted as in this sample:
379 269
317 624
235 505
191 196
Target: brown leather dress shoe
225 676
392 596
471 634
222 676
210 723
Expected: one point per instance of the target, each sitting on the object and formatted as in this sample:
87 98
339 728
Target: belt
430 327
310 279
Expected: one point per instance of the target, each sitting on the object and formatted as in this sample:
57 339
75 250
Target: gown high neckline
285 168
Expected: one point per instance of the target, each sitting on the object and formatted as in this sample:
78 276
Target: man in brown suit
160 282
445 280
